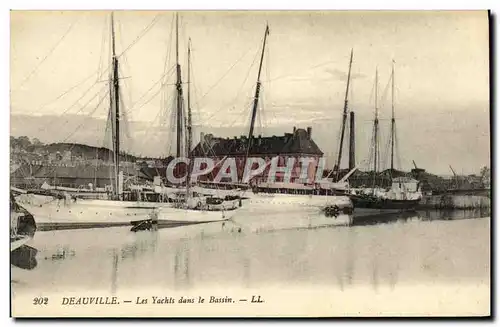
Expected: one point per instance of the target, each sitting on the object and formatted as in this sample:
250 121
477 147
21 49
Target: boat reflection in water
234 255
420 215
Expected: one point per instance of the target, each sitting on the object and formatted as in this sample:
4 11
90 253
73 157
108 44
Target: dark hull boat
24 257
372 216
377 203
404 194
22 230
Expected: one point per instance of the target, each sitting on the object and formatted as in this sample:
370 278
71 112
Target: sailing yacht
404 193
67 211
190 206
296 194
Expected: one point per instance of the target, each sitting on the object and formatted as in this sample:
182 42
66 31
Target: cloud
324 75
341 75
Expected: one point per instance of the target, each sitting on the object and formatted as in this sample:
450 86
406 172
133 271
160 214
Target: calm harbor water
429 247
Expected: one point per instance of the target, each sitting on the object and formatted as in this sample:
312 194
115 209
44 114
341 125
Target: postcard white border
144 4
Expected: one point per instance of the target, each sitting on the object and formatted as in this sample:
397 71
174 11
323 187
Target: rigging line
225 74
305 69
168 44
99 76
371 150
397 150
372 92
165 109
246 114
127 84
88 116
170 116
150 127
67 91
386 153
244 81
48 54
87 103
150 99
126 130
124 117
75 130
103 44
124 86
195 99
334 149
246 105
246 77
385 94
107 129
231 104
267 87
143 32
183 35
74 103
132 107
261 108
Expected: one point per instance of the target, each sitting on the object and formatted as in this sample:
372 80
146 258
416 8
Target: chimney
294 129
352 143
309 131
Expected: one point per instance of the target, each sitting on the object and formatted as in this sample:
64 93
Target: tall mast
257 92
189 121
115 103
375 125
179 87
344 117
352 142
393 120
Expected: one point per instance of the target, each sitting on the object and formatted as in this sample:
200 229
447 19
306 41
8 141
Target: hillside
84 151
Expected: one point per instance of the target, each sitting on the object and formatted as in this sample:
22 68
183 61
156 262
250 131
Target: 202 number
40 301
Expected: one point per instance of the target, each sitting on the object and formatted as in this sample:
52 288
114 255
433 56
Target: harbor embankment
46 226
454 201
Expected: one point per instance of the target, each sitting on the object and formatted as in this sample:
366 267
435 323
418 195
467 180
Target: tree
485 172
36 142
13 142
23 142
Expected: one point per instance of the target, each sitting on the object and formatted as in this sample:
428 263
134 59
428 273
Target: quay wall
451 201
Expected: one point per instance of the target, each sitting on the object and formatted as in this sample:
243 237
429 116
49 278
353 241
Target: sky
59 62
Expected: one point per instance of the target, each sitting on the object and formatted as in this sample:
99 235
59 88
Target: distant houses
76 165
56 164
87 176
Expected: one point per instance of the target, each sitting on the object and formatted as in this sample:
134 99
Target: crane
455 176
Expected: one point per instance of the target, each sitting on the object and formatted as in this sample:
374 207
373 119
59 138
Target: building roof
404 179
298 142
